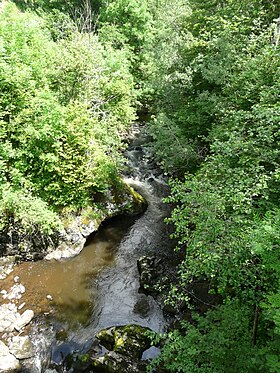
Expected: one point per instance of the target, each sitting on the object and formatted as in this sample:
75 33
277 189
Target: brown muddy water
65 289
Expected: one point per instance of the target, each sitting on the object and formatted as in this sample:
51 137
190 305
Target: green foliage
75 8
169 147
220 341
212 47
66 101
208 71
32 213
129 26
132 18
217 115
265 244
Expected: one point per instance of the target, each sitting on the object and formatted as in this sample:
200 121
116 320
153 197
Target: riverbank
74 298
25 293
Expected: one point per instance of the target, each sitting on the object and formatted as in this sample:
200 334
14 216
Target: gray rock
8 317
15 292
73 239
21 347
67 250
24 319
150 271
142 306
8 362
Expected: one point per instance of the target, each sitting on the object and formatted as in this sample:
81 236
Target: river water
99 288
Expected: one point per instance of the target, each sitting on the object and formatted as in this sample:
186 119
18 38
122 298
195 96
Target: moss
90 213
129 340
106 338
135 195
137 203
119 342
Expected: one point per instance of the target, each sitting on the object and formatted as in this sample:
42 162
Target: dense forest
74 76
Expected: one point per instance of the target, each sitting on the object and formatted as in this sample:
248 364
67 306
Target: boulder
113 362
106 338
21 347
23 319
126 345
130 340
8 362
142 306
151 271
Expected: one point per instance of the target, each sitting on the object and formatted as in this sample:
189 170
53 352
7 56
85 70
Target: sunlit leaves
65 104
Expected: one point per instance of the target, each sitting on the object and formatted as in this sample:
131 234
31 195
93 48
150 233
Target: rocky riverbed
15 317
18 305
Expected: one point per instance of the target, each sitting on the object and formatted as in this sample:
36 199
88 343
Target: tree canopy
216 133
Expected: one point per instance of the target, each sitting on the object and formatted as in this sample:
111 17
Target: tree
220 120
65 105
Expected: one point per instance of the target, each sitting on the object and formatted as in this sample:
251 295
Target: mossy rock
130 340
137 203
111 362
126 345
106 338
116 363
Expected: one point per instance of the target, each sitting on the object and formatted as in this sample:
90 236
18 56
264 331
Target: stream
76 298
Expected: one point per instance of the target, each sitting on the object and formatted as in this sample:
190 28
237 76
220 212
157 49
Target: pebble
21 306
21 288
19 347
8 362
12 307
15 292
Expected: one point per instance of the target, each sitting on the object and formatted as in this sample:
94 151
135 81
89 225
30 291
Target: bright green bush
65 104
30 212
218 342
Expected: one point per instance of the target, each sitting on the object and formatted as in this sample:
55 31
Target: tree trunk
255 326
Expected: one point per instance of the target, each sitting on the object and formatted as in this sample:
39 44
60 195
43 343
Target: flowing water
100 287
66 289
